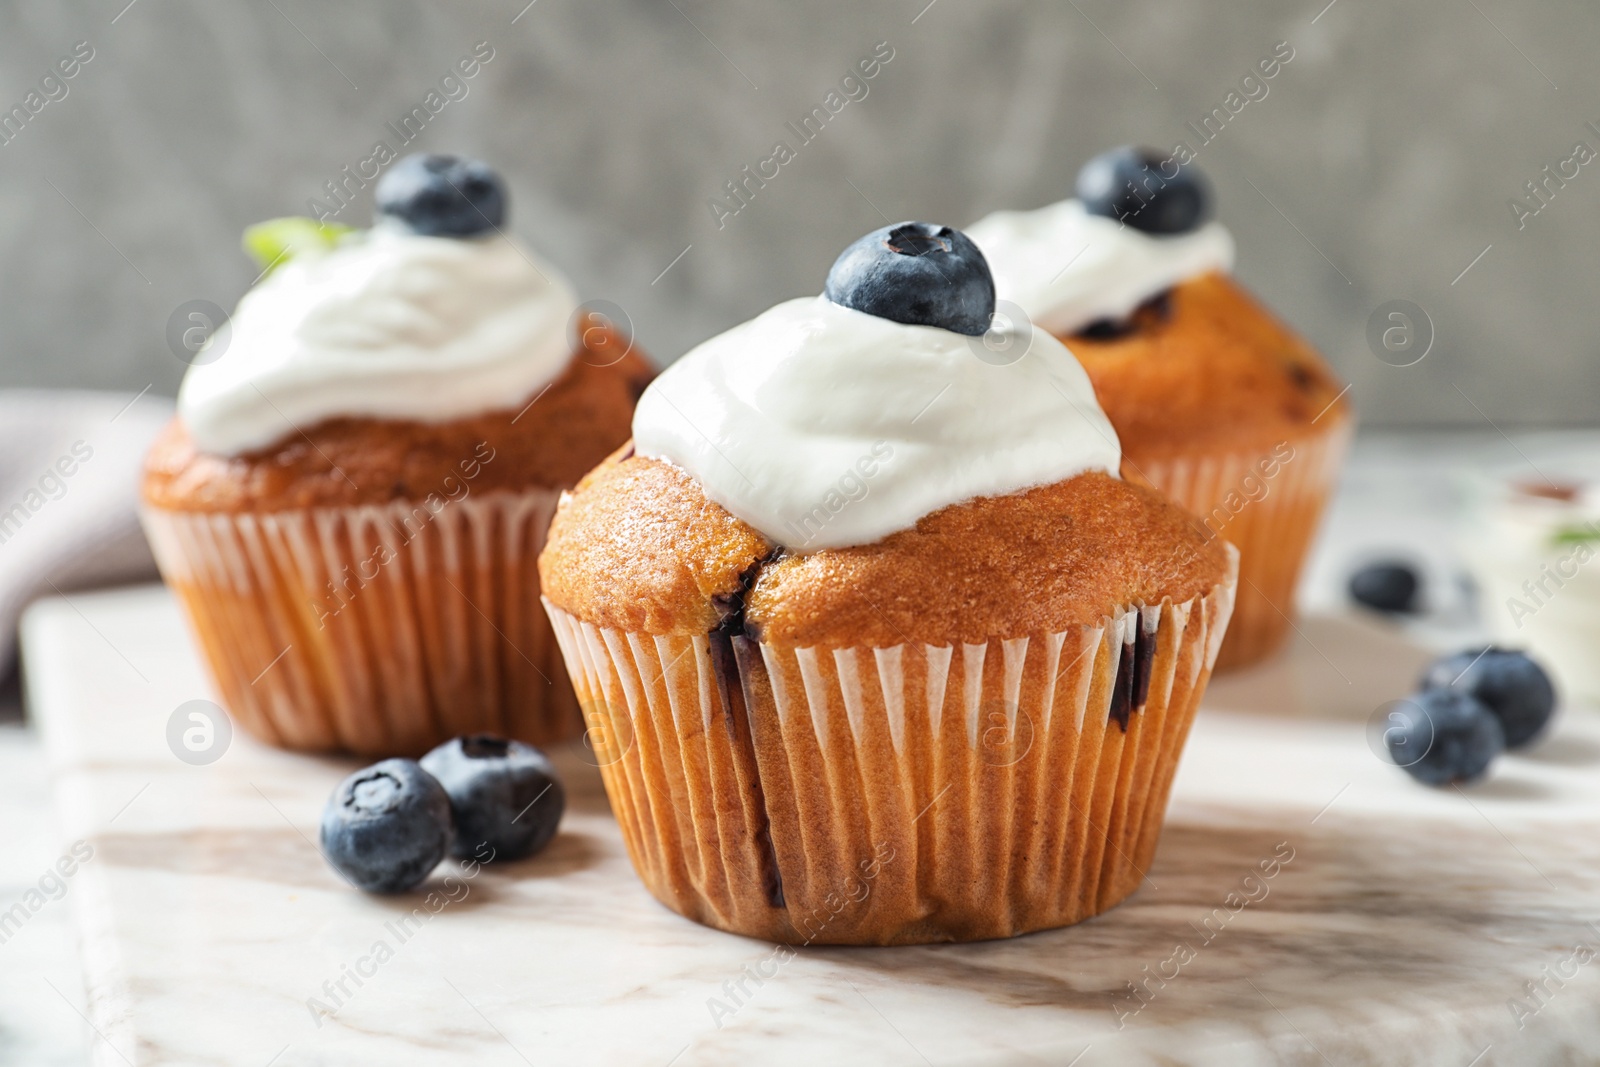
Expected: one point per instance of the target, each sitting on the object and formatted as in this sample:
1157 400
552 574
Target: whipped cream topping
821 426
1066 267
387 324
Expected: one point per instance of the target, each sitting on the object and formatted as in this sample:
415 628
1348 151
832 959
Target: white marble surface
41 986
1397 933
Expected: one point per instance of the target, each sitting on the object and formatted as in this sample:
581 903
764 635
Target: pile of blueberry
479 798
1469 708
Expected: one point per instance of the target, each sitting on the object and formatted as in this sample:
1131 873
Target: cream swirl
822 426
1066 267
387 324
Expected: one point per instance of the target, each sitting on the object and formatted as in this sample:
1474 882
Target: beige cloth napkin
69 490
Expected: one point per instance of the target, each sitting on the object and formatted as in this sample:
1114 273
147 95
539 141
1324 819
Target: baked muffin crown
639 548
1206 365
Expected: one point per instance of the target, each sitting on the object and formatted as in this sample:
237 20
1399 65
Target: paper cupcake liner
895 795
1273 532
381 629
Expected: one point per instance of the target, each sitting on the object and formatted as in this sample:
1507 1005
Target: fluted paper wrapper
378 629
1273 533
895 795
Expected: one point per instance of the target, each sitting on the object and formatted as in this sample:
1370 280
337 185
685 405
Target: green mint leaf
274 242
1576 535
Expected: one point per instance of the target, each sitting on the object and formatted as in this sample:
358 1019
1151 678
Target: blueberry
443 196
387 826
916 273
1389 586
1443 736
1509 684
1146 189
505 795
1152 312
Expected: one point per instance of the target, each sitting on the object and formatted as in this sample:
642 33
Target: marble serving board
1309 904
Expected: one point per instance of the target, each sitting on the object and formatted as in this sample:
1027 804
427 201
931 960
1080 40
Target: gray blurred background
1379 166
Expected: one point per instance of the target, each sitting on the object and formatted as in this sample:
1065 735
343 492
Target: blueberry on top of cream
916 273
1136 228
1144 189
443 196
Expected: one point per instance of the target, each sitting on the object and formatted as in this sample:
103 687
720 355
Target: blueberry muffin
884 649
1216 402
351 499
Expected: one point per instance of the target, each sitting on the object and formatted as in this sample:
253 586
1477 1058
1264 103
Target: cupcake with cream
884 649
351 499
1215 401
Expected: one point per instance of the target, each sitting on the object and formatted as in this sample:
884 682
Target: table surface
1399 926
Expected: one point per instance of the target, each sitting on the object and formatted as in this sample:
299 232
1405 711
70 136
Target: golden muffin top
1206 366
638 547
